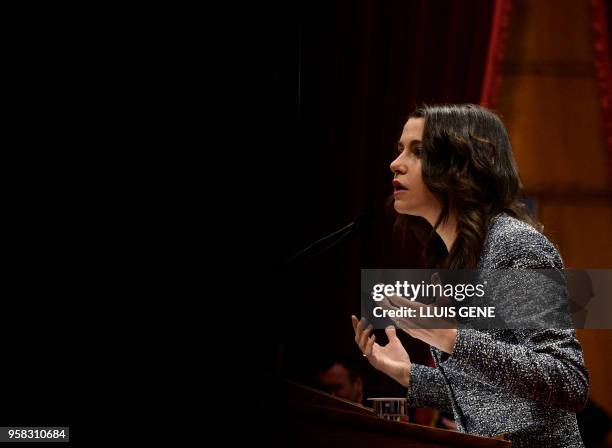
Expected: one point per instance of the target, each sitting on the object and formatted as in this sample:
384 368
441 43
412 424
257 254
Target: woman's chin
405 209
402 208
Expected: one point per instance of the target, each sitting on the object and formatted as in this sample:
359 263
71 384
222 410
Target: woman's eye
416 150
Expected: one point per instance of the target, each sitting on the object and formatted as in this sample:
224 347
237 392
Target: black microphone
361 222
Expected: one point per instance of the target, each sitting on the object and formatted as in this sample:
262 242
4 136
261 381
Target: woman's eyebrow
412 143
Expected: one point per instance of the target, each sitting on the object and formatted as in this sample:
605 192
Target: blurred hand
437 332
391 359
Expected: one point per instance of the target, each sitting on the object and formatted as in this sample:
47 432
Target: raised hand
391 359
437 332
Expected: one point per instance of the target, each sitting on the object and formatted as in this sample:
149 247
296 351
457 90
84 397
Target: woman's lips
398 187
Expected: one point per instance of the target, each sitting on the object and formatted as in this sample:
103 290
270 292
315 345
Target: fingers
393 302
442 301
358 326
390 332
369 345
363 339
362 323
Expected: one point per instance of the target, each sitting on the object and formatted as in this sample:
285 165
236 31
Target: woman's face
411 195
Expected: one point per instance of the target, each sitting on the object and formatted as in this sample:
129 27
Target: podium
304 417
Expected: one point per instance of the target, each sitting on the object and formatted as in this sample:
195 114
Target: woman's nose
397 167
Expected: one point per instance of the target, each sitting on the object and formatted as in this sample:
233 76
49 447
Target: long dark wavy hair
467 163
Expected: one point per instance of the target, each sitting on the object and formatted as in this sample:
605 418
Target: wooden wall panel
549 101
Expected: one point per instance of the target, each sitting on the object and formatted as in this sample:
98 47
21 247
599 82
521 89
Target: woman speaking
456 175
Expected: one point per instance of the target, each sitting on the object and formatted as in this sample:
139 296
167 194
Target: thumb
390 332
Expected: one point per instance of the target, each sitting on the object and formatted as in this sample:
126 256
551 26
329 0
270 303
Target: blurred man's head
343 381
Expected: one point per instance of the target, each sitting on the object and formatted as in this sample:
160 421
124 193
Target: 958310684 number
48 434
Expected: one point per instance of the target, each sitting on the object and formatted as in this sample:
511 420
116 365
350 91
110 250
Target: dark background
313 95
327 88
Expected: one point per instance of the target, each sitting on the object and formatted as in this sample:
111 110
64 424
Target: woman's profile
455 175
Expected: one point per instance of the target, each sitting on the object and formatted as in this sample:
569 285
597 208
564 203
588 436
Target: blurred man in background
342 380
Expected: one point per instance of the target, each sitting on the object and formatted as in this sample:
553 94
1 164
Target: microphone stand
358 223
316 249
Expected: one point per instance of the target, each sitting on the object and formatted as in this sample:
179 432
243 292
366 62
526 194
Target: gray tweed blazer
527 383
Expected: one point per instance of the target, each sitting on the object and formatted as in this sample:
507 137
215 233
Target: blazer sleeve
427 389
545 364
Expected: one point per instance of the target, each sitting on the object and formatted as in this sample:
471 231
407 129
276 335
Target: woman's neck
447 230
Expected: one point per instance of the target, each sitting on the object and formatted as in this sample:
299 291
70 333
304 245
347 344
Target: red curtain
499 34
601 16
